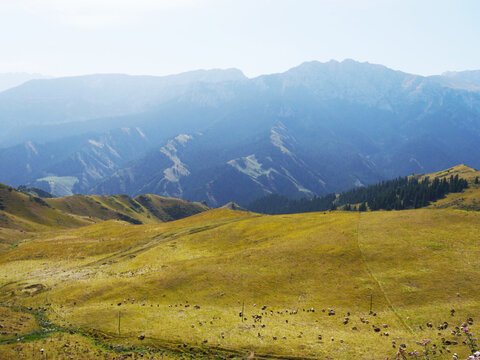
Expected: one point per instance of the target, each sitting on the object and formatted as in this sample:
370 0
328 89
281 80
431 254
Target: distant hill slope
463 171
142 209
233 206
10 80
30 213
469 199
33 191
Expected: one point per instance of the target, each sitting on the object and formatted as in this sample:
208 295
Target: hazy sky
69 37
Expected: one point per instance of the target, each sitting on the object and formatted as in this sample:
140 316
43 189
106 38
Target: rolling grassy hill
22 215
469 199
142 209
304 283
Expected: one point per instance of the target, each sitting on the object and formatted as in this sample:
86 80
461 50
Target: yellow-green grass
14 324
463 171
23 212
23 217
416 265
147 209
469 199
73 347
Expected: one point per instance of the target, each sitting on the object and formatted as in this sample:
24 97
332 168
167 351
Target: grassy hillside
182 284
143 209
23 212
22 216
31 213
469 199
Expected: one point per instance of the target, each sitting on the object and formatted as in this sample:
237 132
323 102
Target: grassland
24 216
185 282
233 284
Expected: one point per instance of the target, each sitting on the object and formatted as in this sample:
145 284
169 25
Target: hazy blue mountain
10 80
469 79
314 129
42 106
72 165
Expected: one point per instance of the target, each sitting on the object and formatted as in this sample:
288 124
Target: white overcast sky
159 37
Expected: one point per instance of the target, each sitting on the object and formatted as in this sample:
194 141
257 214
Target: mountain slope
31 213
26 108
72 165
11 80
315 129
469 199
20 211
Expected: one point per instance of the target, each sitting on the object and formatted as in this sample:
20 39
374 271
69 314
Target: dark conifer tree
396 194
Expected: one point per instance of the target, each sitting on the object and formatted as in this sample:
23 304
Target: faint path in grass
372 275
157 240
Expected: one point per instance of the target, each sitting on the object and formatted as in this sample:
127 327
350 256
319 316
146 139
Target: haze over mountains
10 80
219 136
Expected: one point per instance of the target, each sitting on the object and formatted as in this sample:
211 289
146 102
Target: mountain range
219 136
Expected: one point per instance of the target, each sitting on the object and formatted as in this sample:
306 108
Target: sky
160 37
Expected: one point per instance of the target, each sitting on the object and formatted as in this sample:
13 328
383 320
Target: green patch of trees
402 193
397 194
